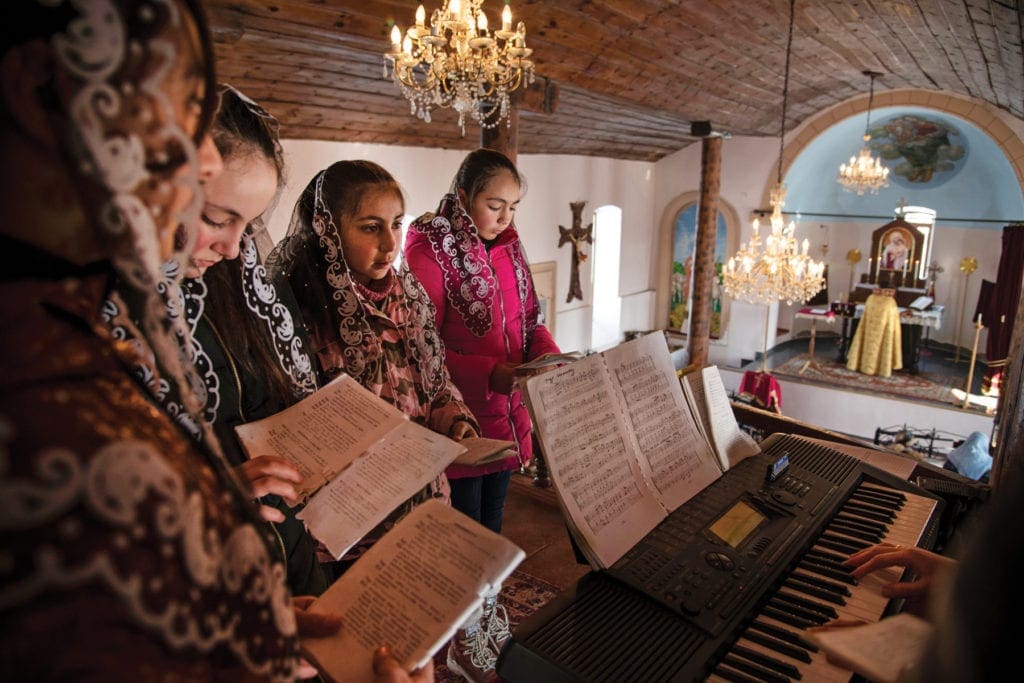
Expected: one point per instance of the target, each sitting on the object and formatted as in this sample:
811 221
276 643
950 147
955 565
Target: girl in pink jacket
470 261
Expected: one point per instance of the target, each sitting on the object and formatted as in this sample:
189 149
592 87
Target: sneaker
470 656
497 627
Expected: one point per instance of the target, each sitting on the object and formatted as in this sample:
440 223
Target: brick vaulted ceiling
630 75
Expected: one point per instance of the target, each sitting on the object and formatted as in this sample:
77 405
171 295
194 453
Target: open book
481 450
621 444
713 413
884 651
359 456
410 591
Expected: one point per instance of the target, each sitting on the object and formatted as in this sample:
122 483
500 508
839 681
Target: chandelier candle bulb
396 39
455 60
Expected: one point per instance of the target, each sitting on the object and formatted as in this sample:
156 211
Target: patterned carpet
925 386
521 594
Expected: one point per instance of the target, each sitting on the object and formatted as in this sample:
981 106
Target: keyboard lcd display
737 524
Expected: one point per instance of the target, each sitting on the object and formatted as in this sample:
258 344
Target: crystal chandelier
457 62
779 268
865 173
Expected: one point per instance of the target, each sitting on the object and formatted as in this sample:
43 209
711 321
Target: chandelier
457 61
865 173
777 268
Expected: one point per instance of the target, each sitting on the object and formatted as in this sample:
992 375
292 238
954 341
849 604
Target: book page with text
592 459
693 390
324 432
673 453
731 442
883 651
390 472
410 591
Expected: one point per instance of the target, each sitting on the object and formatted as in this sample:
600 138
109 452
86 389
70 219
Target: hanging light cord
785 90
871 99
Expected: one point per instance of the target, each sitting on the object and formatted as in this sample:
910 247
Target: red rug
522 595
922 387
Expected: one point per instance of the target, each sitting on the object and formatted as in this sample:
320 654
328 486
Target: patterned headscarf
312 259
468 280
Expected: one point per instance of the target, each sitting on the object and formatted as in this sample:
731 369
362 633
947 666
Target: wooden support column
1008 458
704 256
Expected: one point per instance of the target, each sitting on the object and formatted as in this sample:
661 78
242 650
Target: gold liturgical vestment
876 348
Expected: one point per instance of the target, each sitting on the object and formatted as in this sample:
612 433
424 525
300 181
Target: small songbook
481 450
884 651
360 458
549 359
921 303
410 591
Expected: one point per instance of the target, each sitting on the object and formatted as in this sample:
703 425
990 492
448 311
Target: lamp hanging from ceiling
457 61
779 268
865 173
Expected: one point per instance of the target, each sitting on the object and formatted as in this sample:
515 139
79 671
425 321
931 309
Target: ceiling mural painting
919 150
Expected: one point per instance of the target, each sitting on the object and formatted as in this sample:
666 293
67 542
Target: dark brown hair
479 167
243 127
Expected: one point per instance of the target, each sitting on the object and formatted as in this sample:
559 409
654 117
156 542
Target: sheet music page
324 432
693 390
387 474
592 459
731 443
410 591
883 651
673 454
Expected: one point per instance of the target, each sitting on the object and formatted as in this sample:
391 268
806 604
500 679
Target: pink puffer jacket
508 338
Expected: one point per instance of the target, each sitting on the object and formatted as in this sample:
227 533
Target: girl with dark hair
246 339
470 260
362 316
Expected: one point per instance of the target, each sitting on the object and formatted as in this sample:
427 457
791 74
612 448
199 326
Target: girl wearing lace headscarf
362 316
129 549
247 345
470 260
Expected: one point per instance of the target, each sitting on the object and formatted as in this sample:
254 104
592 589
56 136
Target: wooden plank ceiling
630 74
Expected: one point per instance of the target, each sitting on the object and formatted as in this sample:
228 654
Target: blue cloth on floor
971 458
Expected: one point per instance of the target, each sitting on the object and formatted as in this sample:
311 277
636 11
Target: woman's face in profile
164 106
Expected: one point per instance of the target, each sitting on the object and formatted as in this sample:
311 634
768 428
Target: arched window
605 327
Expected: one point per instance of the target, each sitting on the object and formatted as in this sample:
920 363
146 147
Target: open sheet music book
360 457
709 400
410 591
620 443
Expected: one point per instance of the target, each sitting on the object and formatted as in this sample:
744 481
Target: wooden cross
577 235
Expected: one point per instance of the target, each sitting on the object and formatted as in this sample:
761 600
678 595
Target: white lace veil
120 61
311 259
